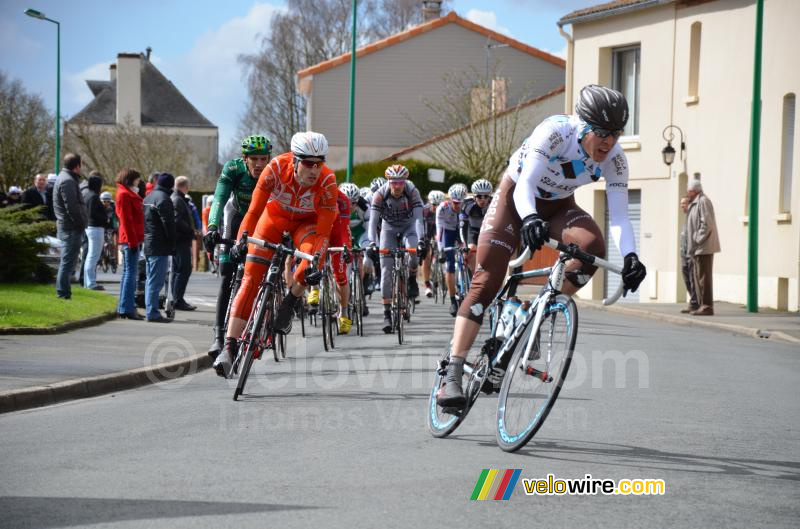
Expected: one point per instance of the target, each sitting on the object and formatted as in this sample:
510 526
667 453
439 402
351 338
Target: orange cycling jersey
280 200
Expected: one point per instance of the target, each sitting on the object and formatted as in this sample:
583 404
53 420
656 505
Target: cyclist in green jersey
231 200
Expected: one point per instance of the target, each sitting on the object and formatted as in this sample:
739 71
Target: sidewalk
37 370
730 317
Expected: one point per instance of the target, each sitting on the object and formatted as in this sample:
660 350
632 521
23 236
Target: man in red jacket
130 211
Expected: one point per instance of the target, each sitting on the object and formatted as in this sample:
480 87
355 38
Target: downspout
570 69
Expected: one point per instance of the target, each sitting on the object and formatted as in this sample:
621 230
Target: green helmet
256 144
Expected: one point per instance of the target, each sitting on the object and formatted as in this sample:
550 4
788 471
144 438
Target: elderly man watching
36 195
702 240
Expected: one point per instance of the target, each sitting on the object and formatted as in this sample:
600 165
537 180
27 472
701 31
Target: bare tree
307 33
26 134
475 133
108 149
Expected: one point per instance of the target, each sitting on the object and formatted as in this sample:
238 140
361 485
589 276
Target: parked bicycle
259 333
108 255
535 343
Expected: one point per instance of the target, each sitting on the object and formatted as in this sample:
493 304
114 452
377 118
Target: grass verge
36 305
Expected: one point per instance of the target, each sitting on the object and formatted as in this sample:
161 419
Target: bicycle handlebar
384 251
576 253
280 247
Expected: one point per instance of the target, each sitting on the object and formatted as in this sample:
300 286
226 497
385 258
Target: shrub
19 229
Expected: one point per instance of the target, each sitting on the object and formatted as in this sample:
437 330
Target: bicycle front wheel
530 389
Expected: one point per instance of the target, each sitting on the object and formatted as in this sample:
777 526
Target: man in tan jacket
703 243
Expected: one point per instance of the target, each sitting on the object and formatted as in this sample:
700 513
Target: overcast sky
195 44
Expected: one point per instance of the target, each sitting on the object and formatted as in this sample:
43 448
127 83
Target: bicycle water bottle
519 316
506 316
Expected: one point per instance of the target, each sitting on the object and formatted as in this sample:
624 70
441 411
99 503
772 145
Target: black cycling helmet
602 107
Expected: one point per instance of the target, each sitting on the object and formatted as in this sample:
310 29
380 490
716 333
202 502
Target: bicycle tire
252 345
399 312
442 424
277 349
521 411
357 302
324 293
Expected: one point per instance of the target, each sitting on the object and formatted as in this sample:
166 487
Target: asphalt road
339 440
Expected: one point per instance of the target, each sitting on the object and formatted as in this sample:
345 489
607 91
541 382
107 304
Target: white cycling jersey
551 164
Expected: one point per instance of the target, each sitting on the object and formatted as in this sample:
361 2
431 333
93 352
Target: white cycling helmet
105 195
366 194
482 187
457 192
436 197
396 172
376 183
350 189
309 144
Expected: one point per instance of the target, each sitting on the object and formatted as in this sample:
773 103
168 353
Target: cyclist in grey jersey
535 202
447 221
397 205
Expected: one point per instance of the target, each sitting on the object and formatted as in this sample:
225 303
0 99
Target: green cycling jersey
236 179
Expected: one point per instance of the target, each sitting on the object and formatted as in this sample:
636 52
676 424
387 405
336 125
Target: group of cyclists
296 193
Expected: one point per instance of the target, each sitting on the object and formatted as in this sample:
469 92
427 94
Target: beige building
689 63
395 77
138 92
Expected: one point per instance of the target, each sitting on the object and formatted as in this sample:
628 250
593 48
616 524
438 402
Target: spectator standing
686 264
130 211
702 242
95 231
152 181
159 242
184 236
36 194
71 221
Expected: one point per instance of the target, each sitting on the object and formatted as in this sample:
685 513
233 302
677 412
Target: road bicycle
259 332
401 305
463 276
329 300
536 345
108 255
437 275
357 301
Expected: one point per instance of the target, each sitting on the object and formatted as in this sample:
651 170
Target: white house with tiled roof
689 63
397 74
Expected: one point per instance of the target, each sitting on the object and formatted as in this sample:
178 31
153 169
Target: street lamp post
38 14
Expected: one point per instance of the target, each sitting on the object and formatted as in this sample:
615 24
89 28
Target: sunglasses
605 133
311 165
483 197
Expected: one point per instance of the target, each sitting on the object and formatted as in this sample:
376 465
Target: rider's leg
413 262
388 241
471 257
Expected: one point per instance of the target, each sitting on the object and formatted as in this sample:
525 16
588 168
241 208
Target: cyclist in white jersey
535 201
447 221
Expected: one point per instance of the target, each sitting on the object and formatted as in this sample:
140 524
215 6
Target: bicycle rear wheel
529 391
357 303
442 423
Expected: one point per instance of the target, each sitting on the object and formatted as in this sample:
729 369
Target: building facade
689 63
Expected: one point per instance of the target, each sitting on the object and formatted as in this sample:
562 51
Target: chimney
149 50
129 88
112 72
431 10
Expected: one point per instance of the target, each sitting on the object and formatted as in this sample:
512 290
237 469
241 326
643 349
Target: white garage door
635 214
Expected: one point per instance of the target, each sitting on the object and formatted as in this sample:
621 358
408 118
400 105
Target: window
694 60
625 66
787 152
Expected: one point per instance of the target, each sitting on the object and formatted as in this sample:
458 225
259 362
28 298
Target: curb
680 320
82 388
64 327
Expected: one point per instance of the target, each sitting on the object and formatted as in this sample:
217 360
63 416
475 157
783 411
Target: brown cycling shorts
500 236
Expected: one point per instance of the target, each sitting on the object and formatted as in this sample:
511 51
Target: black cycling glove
535 232
633 272
211 239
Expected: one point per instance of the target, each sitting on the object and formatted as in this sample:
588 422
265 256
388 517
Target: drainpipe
570 69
